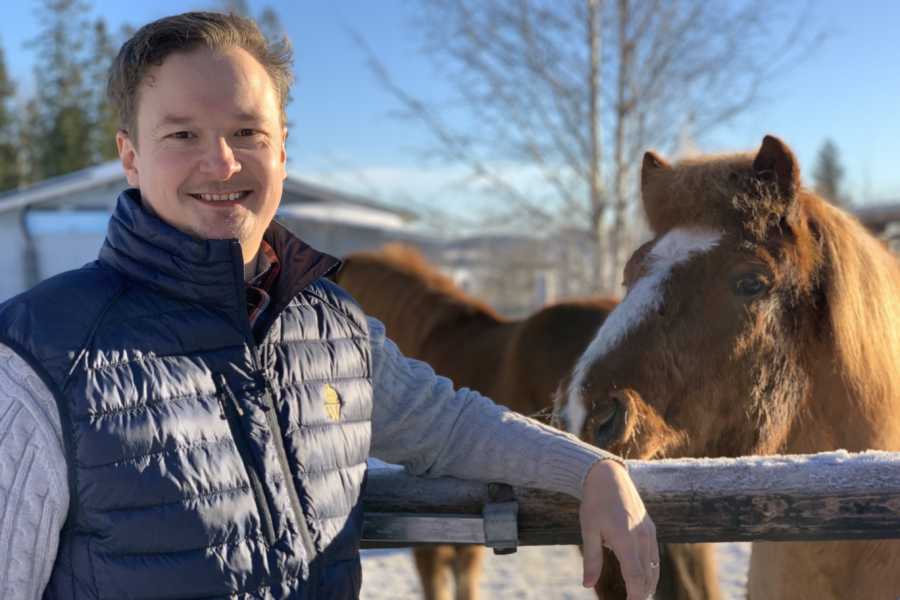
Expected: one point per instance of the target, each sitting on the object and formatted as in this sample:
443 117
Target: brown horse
759 320
518 364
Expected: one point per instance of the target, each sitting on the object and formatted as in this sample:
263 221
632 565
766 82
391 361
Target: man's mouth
221 197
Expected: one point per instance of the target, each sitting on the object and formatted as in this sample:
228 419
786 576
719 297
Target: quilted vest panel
202 464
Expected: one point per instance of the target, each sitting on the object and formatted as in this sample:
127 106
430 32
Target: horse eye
747 285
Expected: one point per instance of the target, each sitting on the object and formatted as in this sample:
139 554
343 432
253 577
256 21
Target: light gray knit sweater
418 420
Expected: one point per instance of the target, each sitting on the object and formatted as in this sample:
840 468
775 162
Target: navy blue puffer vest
202 464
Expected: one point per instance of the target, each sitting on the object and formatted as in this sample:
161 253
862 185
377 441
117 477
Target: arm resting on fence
832 496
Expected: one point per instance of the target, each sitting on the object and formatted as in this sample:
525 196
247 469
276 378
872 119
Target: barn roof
875 218
109 172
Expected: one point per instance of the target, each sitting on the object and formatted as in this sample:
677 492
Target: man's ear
284 133
128 156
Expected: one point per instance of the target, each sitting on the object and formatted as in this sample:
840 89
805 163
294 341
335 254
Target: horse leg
434 566
610 586
467 568
687 572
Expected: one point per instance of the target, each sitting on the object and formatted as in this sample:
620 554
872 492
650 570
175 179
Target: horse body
759 320
517 364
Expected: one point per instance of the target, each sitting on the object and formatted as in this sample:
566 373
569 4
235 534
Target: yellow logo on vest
332 404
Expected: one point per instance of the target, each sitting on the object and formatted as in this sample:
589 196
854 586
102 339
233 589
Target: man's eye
247 132
182 135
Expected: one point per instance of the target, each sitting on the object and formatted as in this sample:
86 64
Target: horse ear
652 163
776 163
656 202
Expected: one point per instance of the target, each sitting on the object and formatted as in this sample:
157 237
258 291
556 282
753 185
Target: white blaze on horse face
675 248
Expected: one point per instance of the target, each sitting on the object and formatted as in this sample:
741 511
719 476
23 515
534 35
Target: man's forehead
190 87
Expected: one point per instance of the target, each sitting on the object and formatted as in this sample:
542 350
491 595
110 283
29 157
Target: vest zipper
272 418
233 413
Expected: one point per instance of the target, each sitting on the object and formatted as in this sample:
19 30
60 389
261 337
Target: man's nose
218 160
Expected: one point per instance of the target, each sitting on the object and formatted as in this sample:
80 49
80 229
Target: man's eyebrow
248 116
241 117
173 120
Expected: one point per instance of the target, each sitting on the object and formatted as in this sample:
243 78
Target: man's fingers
592 559
632 573
653 553
648 555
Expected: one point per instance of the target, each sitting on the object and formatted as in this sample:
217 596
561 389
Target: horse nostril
610 427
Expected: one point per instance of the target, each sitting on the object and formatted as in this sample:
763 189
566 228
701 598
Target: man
190 415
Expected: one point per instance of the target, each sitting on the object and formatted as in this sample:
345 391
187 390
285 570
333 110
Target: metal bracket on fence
496 528
500 514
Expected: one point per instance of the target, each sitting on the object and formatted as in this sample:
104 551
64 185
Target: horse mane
862 290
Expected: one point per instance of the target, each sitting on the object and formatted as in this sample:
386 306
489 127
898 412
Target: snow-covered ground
548 572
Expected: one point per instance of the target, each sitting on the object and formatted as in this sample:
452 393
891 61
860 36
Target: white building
60 224
883 220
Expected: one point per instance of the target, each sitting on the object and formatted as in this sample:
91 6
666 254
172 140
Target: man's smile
228 197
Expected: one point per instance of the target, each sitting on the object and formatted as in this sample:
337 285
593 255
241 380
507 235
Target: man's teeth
222 197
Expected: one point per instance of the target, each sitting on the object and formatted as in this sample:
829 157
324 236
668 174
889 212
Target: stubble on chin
237 223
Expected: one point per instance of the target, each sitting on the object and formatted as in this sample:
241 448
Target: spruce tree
62 131
105 118
9 177
268 21
828 174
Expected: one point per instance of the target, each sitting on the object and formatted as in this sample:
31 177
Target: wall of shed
60 252
60 238
12 255
102 197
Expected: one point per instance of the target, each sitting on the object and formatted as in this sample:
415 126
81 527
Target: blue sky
342 131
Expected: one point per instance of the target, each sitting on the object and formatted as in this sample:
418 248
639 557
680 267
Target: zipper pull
223 383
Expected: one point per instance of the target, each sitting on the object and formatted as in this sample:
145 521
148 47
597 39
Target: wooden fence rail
833 496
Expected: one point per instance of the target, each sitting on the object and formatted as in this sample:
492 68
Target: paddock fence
830 496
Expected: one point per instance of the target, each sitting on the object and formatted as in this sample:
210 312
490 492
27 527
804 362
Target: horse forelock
719 191
675 248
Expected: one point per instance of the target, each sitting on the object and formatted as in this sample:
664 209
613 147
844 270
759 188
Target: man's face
210 157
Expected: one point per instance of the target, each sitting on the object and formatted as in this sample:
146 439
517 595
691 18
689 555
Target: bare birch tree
575 90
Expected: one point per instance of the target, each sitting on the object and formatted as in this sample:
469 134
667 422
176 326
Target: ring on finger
654 564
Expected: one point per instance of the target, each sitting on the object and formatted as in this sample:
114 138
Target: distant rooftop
877 217
110 172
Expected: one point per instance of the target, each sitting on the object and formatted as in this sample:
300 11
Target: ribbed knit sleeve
34 492
421 422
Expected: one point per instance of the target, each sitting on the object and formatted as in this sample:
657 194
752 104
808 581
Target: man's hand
613 515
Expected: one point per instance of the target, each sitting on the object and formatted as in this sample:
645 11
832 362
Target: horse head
731 315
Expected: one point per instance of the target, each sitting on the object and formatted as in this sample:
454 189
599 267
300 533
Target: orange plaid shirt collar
259 288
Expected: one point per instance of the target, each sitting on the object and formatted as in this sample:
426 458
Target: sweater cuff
567 462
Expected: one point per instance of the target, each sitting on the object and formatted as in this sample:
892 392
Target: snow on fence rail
831 496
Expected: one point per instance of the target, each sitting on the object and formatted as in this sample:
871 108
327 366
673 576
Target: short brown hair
153 42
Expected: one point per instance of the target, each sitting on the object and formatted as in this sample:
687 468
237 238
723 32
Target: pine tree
62 133
105 118
828 174
9 176
268 21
